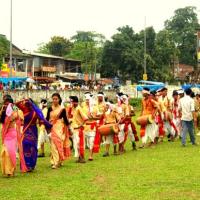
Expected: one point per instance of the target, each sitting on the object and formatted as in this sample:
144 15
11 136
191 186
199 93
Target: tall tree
58 46
87 46
124 55
183 27
4 47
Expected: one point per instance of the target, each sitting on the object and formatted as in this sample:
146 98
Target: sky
36 21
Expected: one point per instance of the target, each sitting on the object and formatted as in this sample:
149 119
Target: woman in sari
11 124
59 134
30 132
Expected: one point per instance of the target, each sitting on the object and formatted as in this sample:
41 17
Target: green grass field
167 171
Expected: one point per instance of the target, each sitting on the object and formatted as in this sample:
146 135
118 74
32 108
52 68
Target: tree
123 55
4 48
58 46
87 46
183 27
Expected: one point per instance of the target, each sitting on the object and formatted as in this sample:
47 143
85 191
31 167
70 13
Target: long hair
3 115
59 97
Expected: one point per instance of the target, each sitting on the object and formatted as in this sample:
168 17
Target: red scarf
133 128
81 144
97 138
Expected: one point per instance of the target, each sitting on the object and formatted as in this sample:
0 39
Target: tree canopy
123 54
58 46
4 47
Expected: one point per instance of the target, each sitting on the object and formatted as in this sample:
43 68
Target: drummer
123 112
99 114
111 117
169 126
149 107
129 127
90 125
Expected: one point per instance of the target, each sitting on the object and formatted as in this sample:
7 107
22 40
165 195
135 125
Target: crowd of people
80 126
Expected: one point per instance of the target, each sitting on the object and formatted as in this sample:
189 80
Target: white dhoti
109 139
90 135
130 133
168 128
121 134
42 138
150 132
76 142
177 123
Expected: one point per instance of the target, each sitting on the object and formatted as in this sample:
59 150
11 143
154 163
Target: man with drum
169 126
90 125
112 118
129 127
99 112
147 118
123 111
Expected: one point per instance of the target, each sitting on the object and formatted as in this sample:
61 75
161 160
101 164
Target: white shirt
186 106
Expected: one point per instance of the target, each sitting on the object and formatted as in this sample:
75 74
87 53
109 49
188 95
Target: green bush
136 103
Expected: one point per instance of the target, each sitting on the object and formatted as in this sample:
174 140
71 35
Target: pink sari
11 139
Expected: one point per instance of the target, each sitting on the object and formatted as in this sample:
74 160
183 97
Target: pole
10 62
198 43
197 49
95 68
145 46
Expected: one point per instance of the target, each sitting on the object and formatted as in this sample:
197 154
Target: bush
136 103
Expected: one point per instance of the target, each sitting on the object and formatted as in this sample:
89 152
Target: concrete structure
182 71
31 64
44 65
37 95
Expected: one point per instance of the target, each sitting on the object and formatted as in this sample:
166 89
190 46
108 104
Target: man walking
187 109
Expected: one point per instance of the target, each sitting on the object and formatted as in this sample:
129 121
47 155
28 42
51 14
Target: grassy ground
167 171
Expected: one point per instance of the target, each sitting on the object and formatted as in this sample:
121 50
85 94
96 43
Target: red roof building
181 71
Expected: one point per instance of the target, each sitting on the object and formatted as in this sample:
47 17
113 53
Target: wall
37 95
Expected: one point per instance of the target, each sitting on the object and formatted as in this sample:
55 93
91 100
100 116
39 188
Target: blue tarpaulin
11 79
152 85
186 86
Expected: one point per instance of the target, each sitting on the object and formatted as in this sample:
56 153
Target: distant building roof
49 56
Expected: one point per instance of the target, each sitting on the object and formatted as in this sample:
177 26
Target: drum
108 129
144 120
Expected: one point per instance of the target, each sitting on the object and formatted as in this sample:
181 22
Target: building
181 71
39 66
44 65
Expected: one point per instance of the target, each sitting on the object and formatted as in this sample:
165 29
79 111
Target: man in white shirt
186 107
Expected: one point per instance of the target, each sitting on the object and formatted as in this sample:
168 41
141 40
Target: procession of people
73 128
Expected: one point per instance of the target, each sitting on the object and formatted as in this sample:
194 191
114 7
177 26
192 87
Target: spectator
187 109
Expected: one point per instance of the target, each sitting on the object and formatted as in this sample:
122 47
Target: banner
5 71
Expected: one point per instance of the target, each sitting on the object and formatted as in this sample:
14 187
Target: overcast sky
35 21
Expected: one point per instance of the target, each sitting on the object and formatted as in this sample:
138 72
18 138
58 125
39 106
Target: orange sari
60 145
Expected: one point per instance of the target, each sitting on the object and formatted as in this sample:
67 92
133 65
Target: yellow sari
60 146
